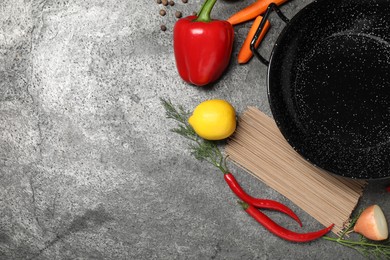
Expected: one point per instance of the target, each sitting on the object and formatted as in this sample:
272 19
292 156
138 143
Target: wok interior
329 86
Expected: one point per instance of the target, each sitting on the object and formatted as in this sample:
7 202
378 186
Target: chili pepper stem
244 205
205 10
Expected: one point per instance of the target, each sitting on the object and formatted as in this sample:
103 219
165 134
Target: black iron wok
329 85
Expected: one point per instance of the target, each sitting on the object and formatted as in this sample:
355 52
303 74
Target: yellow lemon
213 119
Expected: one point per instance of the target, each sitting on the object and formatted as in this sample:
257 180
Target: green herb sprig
201 149
368 248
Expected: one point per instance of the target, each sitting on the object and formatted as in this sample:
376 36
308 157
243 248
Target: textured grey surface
88 166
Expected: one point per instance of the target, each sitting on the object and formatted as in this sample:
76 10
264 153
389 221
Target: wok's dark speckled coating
329 86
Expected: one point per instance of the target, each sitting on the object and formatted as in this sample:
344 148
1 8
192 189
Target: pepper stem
205 10
243 204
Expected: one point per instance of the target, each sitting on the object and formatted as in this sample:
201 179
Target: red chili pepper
202 46
258 203
280 231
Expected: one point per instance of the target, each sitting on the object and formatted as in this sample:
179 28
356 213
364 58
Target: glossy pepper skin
202 46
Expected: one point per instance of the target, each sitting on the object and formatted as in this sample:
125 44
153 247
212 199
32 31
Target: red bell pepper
202 46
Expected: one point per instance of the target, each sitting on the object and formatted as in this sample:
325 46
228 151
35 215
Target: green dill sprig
201 149
368 248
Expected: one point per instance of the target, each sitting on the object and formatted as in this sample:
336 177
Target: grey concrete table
88 166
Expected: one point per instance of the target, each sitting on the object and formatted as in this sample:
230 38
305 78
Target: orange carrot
245 53
252 11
